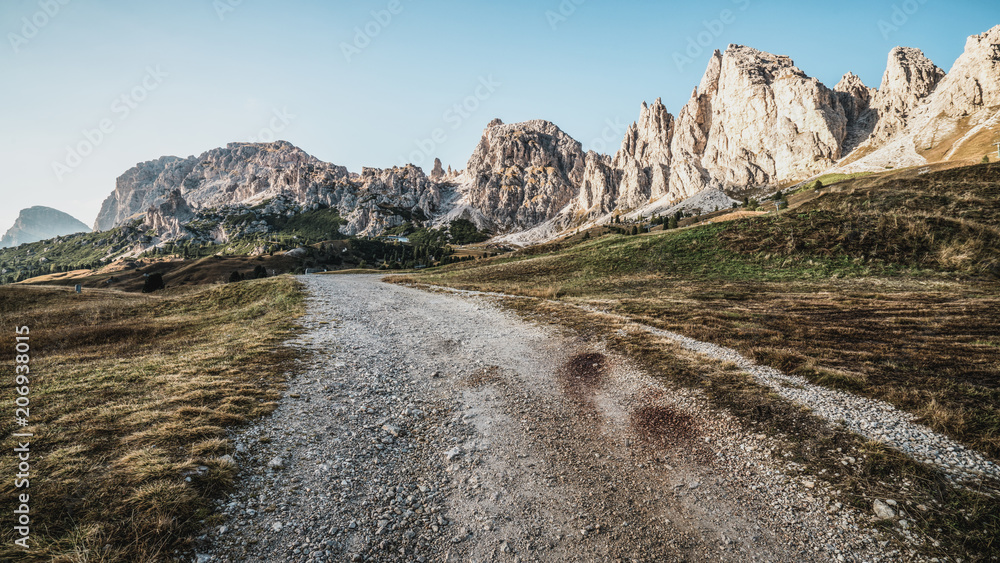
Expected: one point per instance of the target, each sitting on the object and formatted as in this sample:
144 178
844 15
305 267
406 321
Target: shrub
154 282
235 277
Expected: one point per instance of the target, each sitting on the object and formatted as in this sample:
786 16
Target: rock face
368 201
438 173
925 115
754 120
856 99
523 174
167 192
599 189
644 157
143 186
970 90
769 122
40 223
169 217
909 78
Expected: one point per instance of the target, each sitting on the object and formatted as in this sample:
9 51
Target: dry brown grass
957 522
131 394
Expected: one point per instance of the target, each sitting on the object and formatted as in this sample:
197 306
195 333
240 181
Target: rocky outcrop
854 96
925 115
523 174
754 120
970 91
909 78
143 186
643 160
770 123
167 192
378 198
438 173
40 223
856 100
168 218
599 189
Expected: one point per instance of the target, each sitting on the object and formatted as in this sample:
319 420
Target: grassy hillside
62 254
131 397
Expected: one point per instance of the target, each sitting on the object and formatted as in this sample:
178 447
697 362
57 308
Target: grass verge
131 398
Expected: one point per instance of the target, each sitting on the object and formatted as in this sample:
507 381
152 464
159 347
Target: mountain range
754 123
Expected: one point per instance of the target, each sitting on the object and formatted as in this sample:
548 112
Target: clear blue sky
196 74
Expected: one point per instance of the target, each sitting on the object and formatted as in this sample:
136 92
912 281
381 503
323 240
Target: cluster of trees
672 221
259 272
463 231
20 273
779 197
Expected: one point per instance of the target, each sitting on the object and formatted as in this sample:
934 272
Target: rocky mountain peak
856 100
973 83
40 223
759 66
648 139
437 173
765 122
710 80
644 157
523 174
852 84
909 78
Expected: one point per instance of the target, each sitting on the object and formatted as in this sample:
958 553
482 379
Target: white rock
882 510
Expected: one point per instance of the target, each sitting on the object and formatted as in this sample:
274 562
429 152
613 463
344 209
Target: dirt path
435 427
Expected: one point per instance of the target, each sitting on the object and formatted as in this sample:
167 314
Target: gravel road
437 427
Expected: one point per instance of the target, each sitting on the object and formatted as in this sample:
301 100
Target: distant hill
40 223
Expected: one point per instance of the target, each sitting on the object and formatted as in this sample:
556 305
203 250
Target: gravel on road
438 427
